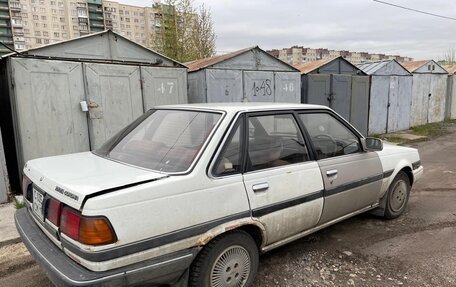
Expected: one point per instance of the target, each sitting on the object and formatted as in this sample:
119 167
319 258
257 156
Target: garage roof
252 58
103 46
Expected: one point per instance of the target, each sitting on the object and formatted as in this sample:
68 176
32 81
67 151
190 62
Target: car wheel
228 260
398 195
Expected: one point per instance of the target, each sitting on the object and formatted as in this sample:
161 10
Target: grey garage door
319 90
49 120
259 86
114 97
163 86
287 88
359 111
224 86
341 91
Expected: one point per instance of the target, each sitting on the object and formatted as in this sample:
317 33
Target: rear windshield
162 140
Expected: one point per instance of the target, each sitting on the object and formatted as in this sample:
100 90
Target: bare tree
449 57
184 33
203 34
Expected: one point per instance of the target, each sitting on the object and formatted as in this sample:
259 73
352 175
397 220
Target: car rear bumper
63 271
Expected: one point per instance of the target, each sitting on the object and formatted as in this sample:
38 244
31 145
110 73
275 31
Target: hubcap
232 268
398 196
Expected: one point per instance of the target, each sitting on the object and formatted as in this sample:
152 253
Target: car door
352 177
283 182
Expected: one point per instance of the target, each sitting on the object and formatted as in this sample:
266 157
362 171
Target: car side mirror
372 144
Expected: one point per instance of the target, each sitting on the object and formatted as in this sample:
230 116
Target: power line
415 10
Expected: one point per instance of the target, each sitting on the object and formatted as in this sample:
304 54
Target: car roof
243 106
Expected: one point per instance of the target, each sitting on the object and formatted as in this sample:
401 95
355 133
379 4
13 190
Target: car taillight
96 231
87 230
27 190
69 223
53 211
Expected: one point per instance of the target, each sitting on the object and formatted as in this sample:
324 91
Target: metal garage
338 84
72 96
390 96
450 109
250 75
428 91
3 174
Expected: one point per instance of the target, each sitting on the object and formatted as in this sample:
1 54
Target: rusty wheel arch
252 227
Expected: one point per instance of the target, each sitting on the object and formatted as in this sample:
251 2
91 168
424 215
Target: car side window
230 159
329 136
275 140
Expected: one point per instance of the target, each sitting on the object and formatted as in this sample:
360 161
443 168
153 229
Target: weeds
18 204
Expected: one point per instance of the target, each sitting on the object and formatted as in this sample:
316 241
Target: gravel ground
417 249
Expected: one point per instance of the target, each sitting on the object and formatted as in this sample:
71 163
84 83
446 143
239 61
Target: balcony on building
19 39
83 20
18 31
96 25
5 32
96 17
16 22
82 12
15 6
8 41
95 9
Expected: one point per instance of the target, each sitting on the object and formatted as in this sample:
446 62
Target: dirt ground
417 249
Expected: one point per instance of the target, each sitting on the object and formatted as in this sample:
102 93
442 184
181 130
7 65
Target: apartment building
297 55
26 24
6 35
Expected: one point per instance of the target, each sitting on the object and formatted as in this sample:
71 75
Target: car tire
397 196
228 260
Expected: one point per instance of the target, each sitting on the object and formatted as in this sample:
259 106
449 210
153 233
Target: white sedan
192 194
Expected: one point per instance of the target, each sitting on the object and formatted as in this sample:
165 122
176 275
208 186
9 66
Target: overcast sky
355 25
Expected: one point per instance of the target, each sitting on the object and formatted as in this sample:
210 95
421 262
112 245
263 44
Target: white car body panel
394 158
294 181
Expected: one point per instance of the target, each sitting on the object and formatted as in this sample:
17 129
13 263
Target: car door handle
260 187
331 172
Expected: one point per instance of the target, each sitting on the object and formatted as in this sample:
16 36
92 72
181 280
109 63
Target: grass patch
431 130
17 204
394 139
378 136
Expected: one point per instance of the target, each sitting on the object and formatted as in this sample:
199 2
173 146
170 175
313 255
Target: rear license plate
37 206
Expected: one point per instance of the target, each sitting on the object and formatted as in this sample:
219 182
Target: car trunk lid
73 177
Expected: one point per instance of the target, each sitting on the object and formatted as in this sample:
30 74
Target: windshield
164 140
